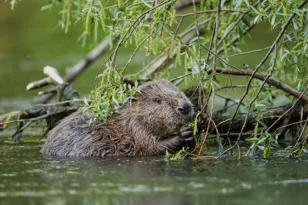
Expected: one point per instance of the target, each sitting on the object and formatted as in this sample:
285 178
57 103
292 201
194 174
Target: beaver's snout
184 107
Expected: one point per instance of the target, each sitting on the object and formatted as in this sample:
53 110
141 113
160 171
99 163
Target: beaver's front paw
186 138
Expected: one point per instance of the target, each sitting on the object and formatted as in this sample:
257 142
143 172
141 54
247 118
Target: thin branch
222 60
211 11
134 53
235 86
248 52
256 50
293 123
215 41
226 98
209 49
216 33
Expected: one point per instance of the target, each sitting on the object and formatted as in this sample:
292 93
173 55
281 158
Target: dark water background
30 40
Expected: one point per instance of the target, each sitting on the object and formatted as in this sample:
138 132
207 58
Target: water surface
27 177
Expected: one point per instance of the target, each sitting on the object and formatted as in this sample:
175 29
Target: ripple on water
31 193
290 181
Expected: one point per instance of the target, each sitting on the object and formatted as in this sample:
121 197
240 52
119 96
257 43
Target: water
30 40
27 177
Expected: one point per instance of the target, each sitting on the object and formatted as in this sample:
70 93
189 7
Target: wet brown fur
144 127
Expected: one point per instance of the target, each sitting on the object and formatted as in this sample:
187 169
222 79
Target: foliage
265 143
110 94
214 30
297 149
181 154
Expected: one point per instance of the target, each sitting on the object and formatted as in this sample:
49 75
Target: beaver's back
72 136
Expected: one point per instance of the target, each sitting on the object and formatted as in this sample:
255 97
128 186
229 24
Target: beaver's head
161 108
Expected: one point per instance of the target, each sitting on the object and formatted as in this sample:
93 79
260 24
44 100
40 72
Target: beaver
145 126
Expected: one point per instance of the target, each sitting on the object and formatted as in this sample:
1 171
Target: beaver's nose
184 107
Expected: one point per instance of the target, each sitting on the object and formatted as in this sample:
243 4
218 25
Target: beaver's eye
156 100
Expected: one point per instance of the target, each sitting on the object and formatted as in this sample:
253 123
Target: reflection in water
27 177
